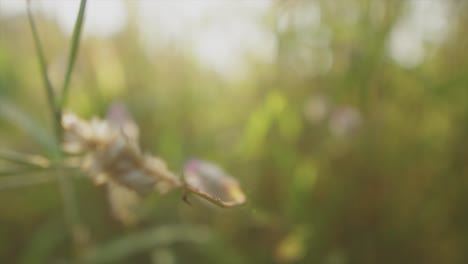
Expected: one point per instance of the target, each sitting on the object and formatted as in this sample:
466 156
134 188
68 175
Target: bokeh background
345 121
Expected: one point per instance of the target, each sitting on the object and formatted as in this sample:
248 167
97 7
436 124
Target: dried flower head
112 156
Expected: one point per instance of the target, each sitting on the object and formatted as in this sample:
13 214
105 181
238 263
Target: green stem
56 115
73 52
23 171
13 181
210 198
34 161
66 183
135 243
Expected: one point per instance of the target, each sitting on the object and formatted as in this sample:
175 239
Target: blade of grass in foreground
66 183
34 161
24 121
14 181
43 67
135 243
73 52
41 247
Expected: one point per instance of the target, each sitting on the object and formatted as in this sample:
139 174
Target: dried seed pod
212 183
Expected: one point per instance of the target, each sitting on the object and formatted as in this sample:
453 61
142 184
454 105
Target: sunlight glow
425 22
219 33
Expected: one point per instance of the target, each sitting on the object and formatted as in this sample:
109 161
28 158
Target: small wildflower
213 183
112 156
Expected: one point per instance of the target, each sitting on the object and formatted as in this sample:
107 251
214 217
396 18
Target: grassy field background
350 141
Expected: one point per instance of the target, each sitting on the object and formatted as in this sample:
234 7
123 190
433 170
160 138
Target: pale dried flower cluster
112 155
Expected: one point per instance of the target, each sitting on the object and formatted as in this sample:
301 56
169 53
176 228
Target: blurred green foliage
364 161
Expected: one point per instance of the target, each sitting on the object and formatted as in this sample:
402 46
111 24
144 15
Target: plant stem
56 115
66 183
34 161
135 243
31 171
73 52
13 181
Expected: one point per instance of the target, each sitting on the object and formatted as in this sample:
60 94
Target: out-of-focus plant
108 152
348 155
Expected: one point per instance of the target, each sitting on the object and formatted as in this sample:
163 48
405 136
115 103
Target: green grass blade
73 52
13 181
56 116
17 116
34 161
44 241
135 243
66 184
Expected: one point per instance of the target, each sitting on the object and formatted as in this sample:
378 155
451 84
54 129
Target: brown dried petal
212 183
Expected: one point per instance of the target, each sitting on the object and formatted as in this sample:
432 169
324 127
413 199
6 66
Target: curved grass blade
34 161
56 115
14 182
135 243
73 52
47 238
12 179
25 122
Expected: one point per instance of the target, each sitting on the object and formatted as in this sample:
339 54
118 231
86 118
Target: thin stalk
136 243
56 115
34 161
210 198
13 181
22 171
71 211
73 52
66 183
